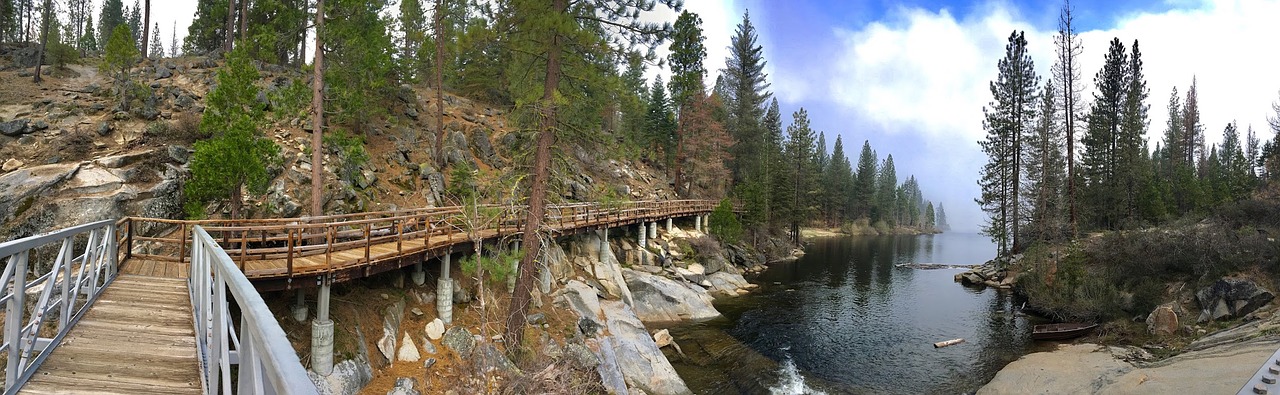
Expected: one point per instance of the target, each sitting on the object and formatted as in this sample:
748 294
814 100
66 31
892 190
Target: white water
790 382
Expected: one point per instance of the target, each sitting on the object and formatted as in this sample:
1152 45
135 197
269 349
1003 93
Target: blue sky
912 76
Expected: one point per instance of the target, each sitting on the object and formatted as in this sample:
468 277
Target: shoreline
818 232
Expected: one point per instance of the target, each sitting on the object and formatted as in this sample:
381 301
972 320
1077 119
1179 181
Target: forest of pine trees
1056 170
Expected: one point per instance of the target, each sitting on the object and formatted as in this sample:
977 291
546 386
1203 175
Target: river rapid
846 319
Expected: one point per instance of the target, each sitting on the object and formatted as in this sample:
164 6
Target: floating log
951 342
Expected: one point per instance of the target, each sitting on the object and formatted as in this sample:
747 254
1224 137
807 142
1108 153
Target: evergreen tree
930 218
660 122
413 28
237 154
551 31
1066 70
275 29
112 16
1192 129
1008 118
706 137
135 23
208 30
943 225
837 180
1104 158
887 193
864 186
88 40
772 161
687 72
1045 170
1237 176
748 91
157 49
799 151
1131 145
359 70
631 101
120 55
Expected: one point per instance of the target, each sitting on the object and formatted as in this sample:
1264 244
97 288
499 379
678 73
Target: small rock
697 268
536 319
460 341
429 363
435 329
428 347
408 350
39 125
104 128
416 311
11 165
663 338
404 385
163 72
15 127
582 355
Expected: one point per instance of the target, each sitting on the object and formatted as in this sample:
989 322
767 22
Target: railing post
128 251
367 242
288 258
13 317
182 245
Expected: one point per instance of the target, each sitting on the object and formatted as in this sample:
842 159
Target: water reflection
849 320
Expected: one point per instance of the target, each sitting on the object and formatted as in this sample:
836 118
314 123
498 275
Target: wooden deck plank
130 342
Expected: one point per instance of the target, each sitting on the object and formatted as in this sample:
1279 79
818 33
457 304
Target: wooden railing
289 239
68 279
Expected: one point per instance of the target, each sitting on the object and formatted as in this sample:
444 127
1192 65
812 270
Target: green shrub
724 224
350 152
497 268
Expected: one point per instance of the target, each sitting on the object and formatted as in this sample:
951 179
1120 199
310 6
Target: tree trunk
44 40
237 200
538 191
439 28
302 45
146 28
231 26
679 165
317 108
244 18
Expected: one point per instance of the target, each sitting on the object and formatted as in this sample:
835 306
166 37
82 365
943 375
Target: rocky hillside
70 153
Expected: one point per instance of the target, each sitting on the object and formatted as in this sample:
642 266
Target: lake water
845 319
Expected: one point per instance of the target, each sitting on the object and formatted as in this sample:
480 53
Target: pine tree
660 122
1192 129
1102 158
1008 118
1131 146
1237 175
237 155
886 198
943 225
687 73
88 40
930 218
772 162
413 53
837 180
135 24
631 101
359 69
1045 170
1066 70
120 55
112 16
552 30
146 22
173 43
157 49
861 198
708 138
799 151
208 31
744 74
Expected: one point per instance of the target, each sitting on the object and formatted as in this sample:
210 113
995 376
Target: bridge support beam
644 231
515 266
418 275
697 222
653 230
322 334
299 309
444 292
669 225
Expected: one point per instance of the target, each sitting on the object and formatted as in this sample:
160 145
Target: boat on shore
1061 331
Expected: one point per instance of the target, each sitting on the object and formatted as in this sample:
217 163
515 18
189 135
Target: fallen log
947 343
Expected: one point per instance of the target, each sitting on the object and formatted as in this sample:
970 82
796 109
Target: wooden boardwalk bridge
143 305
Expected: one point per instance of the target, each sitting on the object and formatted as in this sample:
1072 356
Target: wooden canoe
1061 331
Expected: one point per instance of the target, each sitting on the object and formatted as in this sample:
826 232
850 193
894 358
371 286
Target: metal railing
266 359
68 269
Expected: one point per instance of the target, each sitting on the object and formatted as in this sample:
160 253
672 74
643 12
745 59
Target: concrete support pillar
653 230
444 292
697 223
322 334
644 232
515 268
299 309
668 225
604 243
419 276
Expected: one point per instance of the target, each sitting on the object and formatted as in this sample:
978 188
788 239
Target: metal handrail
85 264
266 359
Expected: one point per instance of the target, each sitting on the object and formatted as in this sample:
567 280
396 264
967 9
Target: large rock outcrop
1231 297
660 299
586 251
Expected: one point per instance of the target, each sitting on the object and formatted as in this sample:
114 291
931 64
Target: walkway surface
137 339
